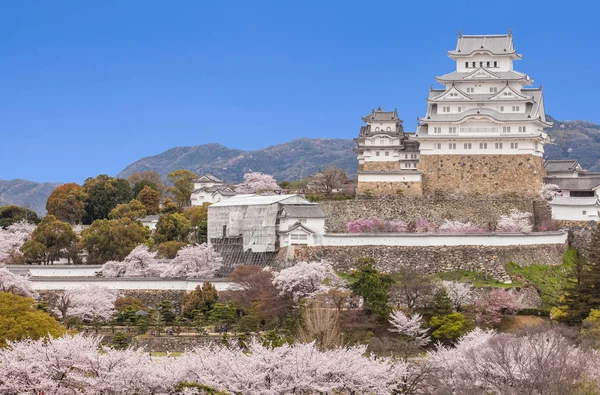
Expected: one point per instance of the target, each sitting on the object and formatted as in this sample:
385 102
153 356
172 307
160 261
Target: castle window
381 142
452 130
480 64
437 130
439 145
387 153
493 89
467 65
468 146
506 129
482 145
488 64
514 145
515 108
474 64
452 146
495 64
376 153
470 90
413 156
389 129
522 129
446 109
405 156
584 212
498 145
460 109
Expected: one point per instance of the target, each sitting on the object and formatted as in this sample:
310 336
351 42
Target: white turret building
484 130
387 159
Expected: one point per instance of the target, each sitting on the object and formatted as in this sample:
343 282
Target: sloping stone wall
486 174
426 260
389 188
481 210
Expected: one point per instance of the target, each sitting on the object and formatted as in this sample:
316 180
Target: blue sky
88 87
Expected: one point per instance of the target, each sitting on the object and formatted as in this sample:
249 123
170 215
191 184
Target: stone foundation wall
480 210
380 166
377 189
486 174
171 343
426 260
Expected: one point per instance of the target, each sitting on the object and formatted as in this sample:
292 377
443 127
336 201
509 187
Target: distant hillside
288 161
29 194
575 140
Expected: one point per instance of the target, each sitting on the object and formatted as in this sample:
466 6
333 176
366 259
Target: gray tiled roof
149 218
303 211
552 166
382 116
574 183
501 44
209 176
510 75
575 201
500 116
296 226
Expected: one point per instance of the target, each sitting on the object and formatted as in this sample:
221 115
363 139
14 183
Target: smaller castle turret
387 158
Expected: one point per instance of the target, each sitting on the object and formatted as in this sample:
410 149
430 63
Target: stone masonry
426 260
485 174
397 188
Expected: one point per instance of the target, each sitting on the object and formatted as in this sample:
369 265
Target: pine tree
585 295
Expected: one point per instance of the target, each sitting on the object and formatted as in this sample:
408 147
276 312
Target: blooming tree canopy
409 326
490 307
15 284
257 182
516 222
198 261
548 191
139 263
459 227
376 225
459 293
306 279
12 238
88 303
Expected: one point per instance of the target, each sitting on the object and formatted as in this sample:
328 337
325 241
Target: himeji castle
484 131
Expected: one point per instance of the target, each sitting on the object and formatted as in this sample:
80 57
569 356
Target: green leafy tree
140 185
119 341
585 294
200 300
198 217
112 240
55 235
169 249
223 316
34 251
183 185
67 203
12 214
153 177
442 304
165 309
168 207
150 199
172 227
373 287
20 319
104 194
450 327
134 210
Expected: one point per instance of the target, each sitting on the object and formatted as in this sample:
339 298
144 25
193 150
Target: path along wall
478 209
487 253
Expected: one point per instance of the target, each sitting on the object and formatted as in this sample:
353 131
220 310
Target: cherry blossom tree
139 263
459 293
306 279
198 261
490 307
376 225
423 225
12 238
548 191
91 302
449 226
19 285
257 182
410 327
515 222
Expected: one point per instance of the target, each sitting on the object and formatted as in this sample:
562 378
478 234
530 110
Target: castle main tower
484 131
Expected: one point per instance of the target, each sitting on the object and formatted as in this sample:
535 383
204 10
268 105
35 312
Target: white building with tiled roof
486 115
387 158
210 189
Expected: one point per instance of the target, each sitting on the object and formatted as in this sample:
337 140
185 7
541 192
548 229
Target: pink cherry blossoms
12 238
306 279
257 182
89 303
548 191
15 284
516 222
449 226
139 263
410 327
376 225
198 261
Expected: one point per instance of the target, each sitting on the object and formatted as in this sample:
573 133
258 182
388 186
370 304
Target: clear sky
88 87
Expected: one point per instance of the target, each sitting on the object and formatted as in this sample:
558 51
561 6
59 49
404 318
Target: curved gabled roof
494 44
